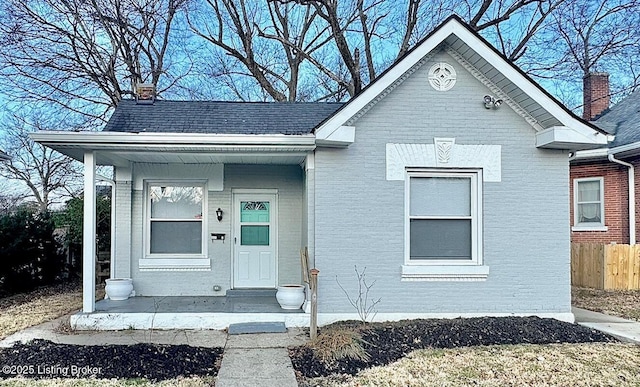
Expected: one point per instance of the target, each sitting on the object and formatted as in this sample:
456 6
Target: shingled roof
220 117
623 120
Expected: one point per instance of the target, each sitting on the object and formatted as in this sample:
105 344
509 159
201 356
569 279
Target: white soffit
342 136
563 137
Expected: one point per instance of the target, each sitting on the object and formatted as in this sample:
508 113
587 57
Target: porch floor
187 312
193 304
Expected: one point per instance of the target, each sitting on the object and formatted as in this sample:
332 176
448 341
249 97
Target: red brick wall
616 208
636 165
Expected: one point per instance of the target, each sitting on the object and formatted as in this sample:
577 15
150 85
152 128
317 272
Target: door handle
235 240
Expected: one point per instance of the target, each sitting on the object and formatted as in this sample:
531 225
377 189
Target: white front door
255 237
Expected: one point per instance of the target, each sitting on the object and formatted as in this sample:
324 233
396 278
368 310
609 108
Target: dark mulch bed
44 359
388 342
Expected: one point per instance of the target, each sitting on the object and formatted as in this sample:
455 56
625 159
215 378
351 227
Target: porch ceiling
116 158
123 149
208 158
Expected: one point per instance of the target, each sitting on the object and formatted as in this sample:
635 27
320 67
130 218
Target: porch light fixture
491 102
219 214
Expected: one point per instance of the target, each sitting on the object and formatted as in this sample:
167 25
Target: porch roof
120 149
221 117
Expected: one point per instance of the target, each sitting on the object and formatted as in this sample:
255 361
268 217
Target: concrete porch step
257 327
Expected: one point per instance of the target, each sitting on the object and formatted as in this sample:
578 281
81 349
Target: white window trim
588 226
150 261
447 270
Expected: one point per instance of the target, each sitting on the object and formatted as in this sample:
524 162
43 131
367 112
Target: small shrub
29 253
361 301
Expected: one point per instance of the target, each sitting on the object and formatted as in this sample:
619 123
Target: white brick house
445 178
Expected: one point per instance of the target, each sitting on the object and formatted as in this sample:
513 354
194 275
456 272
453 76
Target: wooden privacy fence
599 266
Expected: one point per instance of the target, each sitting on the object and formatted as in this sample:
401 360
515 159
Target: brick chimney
145 93
595 95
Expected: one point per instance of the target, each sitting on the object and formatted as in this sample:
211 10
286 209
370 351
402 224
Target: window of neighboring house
588 204
176 214
443 237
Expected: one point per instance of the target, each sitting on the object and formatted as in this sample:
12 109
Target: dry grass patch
339 343
621 303
519 365
25 310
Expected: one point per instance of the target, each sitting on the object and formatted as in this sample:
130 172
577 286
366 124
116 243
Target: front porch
187 312
181 228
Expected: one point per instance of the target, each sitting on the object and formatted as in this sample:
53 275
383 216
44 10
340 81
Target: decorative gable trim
444 153
443 148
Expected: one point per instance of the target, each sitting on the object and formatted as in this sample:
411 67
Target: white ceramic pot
119 289
290 296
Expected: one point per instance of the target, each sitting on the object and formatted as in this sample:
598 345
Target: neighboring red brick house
600 178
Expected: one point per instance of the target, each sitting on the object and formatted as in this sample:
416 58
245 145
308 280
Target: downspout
632 198
112 247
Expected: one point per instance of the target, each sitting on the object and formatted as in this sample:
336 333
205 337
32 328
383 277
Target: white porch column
121 258
89 235
310 186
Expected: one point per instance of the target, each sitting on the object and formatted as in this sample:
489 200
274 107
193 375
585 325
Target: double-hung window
175 224
588 199
443 224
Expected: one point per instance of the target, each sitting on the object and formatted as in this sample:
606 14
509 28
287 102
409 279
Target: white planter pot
290 296
119 289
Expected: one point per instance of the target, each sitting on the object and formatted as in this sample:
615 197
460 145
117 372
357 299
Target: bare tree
343 45
86 55
39 174
512 25
75 60
267 41
589 36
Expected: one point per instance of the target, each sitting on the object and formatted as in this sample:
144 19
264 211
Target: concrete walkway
258 359
50 331
624 330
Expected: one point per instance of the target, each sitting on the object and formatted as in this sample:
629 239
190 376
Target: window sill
589 228
444 273
173 264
